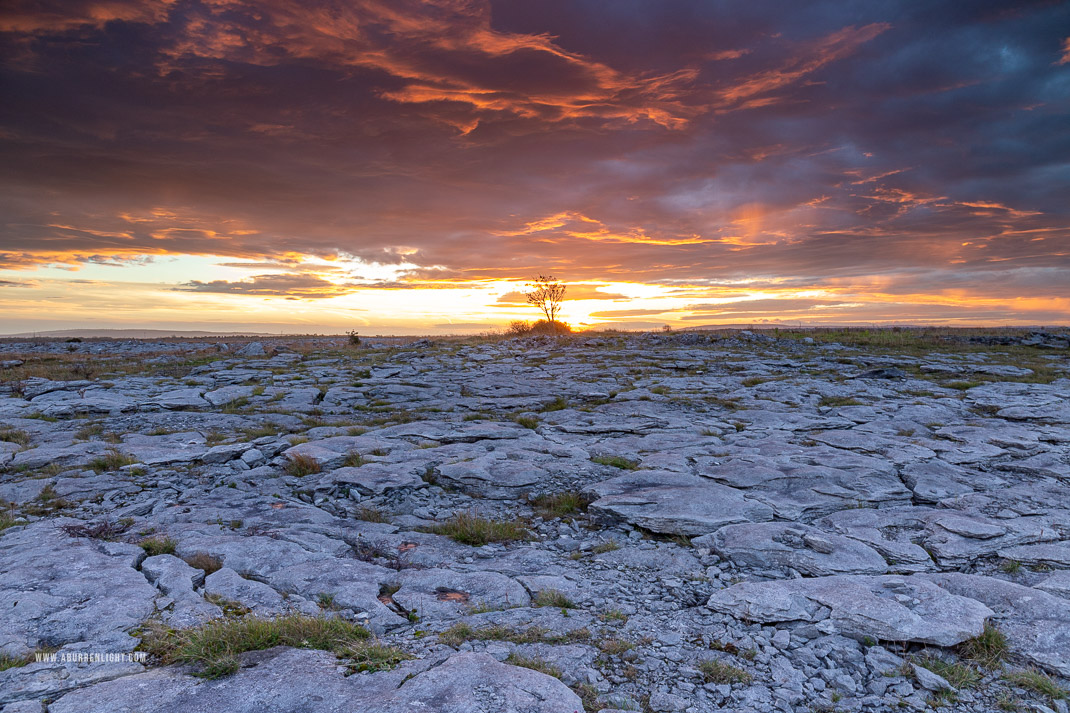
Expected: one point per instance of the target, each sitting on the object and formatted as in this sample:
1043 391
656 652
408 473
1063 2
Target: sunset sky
396 166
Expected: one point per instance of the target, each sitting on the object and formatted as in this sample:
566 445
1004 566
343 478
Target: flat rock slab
807 490
493 476
288 680
373 478
674 503
444 593
57 590
805 549
885 607
1036 623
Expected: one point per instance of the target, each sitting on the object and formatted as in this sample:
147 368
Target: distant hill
133 334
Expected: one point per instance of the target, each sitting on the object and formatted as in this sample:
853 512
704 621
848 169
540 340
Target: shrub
518 328
354 338
470 529
544 328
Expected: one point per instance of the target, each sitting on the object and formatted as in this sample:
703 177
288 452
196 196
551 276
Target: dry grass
1038 682
553 598
566 504
299 465
714 671
111 460
989 649
204 561
213 648
14 435
470 529
158 546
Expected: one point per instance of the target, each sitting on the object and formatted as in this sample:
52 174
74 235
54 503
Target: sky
406 166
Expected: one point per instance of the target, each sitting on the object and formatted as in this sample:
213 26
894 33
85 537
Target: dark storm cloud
693 142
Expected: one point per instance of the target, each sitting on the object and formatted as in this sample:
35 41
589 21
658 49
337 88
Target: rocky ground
619 522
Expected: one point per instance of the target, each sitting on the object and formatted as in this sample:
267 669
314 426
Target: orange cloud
827 50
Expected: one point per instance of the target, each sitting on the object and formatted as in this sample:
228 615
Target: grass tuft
213 648
1038 682
158 546
714 671
16 436
989 649
566 504
959 675
470 529
553 598
835 401
535 664
111 460
204 561
299 465
616 461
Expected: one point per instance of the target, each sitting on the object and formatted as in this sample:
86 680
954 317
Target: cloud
289 286
461 141
572 293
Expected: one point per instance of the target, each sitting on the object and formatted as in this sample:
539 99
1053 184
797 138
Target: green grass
1010 566
989 649
1038 682
158 546
527 421
299 465
963 385
615 647
111 460
558 404
462 632
470 529
615 461
959 675
8 662
368 514
602 547
535 664
552 598
353 460
213 648
714 671
566 504
13 435
837 401
260 431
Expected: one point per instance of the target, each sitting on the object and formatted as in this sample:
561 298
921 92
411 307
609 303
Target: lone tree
546 294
